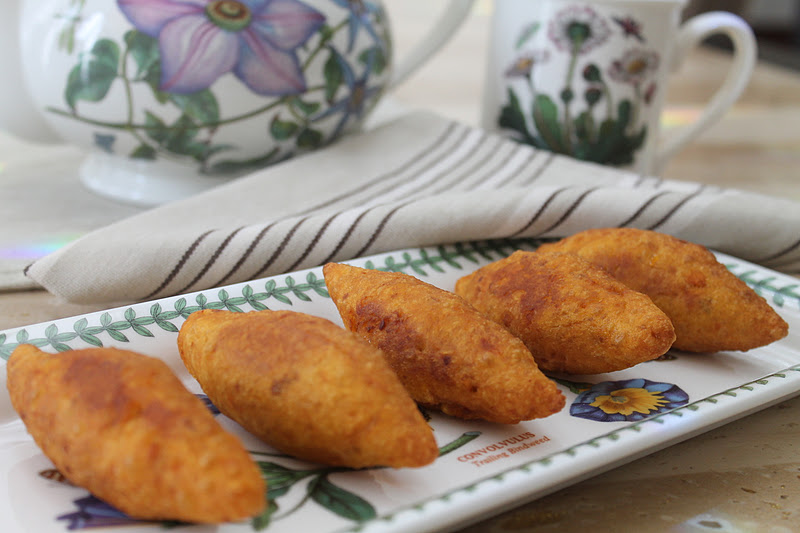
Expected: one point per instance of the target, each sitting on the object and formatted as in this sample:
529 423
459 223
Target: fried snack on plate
123 426
447 355
712 310
307 387
572 316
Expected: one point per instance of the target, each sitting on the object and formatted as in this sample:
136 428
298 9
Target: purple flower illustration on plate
627 401
200 40
209 405
93 512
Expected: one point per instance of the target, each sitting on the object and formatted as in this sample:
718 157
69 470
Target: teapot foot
141 182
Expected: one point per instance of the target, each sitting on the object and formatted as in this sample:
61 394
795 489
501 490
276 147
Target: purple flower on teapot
201 40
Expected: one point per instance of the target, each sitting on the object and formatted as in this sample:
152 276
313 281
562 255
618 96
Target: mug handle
446 25
692 32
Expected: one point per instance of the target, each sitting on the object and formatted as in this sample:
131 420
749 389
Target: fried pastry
307 387
712 310
447 355
123 426
572 316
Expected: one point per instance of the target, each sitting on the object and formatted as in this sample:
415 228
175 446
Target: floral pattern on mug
606 128
630 27
179 50
578 29
524 64
634 67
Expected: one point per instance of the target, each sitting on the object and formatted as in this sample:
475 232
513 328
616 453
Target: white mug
588 78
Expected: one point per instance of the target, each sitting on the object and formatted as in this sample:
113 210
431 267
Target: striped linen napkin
418 180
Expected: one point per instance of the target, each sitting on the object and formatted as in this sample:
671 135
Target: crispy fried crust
571 315
306 386
123 426
712 310
446 354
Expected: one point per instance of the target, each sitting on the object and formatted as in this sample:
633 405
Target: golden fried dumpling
712 310
447 355
571 315
123 426
307 387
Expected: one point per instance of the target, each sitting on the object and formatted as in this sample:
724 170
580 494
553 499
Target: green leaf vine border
535 466
285 289
280 289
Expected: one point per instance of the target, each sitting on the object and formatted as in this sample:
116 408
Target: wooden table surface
744 476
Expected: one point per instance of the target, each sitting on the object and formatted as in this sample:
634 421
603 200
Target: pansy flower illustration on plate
627 401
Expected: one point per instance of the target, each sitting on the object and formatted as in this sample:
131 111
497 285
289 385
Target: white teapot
171 97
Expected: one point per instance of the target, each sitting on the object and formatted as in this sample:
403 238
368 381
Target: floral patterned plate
610 419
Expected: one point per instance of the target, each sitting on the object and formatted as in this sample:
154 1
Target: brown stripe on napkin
339 245
428 186
431 155
384 195
487 151
420 180
247 252
541 169
639 212
525 164
568 211
213 258
182 261
449 138
313 243
378 230
417 164
281 247
781 256
482 178
485 168
674 210
539 212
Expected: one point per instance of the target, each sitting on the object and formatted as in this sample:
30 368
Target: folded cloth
418 180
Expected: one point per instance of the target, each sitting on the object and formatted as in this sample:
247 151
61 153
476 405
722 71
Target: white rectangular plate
483 469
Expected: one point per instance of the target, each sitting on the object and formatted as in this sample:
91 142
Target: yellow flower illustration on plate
627 401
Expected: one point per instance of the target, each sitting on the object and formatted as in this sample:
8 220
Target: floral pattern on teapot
180 50
602 130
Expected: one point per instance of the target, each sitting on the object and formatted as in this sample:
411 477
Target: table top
744 476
